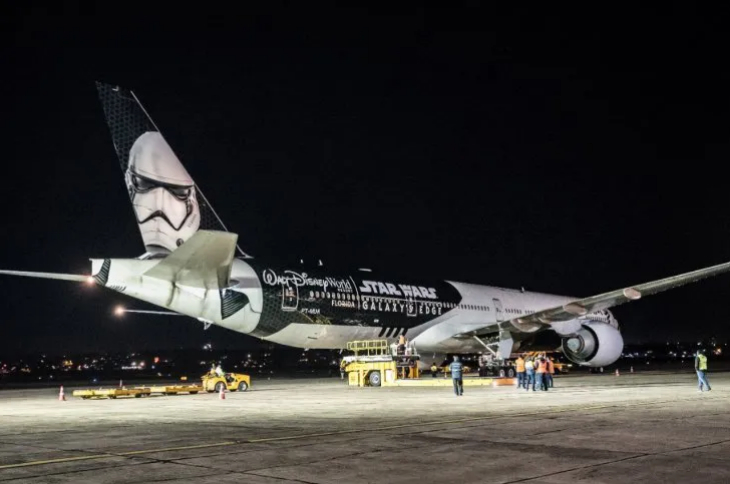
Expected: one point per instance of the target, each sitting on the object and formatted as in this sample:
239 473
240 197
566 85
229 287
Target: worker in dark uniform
550 372
456 368
401 345
701 369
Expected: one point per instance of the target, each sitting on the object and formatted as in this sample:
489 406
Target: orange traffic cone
61 395
617 373
222 394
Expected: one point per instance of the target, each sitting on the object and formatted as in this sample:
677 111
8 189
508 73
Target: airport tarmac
644 427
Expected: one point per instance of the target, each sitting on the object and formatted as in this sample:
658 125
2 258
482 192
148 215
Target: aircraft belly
319 336
440 337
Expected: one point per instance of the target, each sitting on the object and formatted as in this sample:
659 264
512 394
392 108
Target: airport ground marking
336 432
117 454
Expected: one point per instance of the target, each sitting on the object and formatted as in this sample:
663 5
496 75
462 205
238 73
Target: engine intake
596 344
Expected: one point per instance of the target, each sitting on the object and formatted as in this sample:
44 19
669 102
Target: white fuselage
305 311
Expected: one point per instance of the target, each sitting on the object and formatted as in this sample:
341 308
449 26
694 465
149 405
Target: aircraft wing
580 307
203 261
49 275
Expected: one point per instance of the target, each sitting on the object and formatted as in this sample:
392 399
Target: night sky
567 152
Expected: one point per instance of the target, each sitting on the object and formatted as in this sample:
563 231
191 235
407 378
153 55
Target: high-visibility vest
703 362
550 367
520 363
542 368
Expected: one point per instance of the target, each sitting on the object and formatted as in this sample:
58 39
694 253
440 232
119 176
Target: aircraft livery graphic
192 265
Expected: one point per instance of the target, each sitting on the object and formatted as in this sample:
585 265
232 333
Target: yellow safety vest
703 362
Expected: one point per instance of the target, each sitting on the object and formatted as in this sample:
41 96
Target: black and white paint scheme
191 267
162 193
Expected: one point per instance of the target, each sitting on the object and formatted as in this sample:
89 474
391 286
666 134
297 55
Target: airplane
193 266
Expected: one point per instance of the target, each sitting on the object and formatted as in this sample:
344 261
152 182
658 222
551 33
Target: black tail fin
168 205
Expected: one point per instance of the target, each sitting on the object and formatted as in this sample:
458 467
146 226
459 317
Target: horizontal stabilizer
204 261
48 275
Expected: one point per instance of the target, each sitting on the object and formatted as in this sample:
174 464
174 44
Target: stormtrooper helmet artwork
162 193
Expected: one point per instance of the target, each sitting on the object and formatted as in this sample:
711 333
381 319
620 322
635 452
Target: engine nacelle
596 344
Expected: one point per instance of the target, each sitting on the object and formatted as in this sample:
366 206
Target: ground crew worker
343 365
434 370
219 370
401 345
520 364
701 369
456 368
540 375
529 374
550 372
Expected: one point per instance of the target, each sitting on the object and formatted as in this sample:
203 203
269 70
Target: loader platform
447 382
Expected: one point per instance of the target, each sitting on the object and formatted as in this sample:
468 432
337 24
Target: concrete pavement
598 428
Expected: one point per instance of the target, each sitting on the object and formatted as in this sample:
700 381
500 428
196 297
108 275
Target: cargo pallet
175 389
112 393
137 392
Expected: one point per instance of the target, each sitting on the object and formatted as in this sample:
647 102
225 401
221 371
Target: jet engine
596 344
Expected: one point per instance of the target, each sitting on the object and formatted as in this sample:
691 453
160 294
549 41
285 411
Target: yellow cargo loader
374 364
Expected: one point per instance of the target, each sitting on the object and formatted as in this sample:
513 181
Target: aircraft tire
374 378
